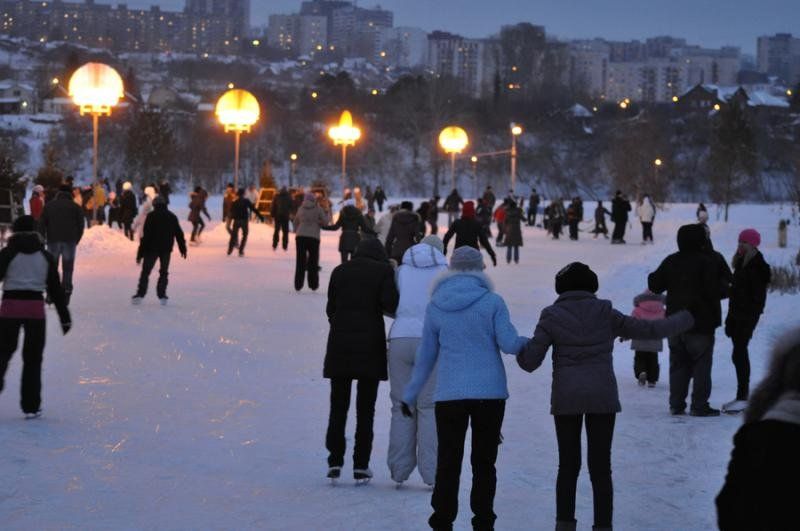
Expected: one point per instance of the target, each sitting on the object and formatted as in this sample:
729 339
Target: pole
453 168
475 177
236 161
95 126
344 168
291 174
513 162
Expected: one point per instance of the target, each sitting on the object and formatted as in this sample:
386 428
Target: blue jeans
64 252
512 249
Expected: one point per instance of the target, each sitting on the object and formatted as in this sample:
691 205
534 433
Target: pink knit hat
750 236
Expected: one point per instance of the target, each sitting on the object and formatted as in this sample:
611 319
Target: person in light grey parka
412 441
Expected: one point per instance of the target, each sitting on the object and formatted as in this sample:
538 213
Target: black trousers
573 230
647 231
646 362
599 434
244 226
307 262
366 395
555 228
690 357
741 333
452 419
32 349
619 231
280 225
532 215
128 228
148 262
197 228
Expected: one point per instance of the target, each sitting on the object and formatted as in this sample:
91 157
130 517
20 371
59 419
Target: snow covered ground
210 413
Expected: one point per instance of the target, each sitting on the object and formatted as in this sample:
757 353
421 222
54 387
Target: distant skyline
709 23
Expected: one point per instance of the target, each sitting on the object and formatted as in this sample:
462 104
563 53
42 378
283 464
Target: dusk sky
710 23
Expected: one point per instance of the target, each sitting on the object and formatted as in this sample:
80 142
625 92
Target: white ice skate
163 301
31 416
362 475
333 474
734 406
136 300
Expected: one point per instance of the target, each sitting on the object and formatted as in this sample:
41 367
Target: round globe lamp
344 134
238 111
453 141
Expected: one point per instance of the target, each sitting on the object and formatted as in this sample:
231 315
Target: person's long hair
783 375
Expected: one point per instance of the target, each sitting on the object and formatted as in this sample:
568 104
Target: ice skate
34 415
163 300
136 300
362 475
642 378
734 406
333 474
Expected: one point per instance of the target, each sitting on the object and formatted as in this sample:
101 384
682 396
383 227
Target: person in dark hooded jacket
468 231
406 230
513 231
62 221
161 230
691 278
351 221
127 209
281 212
197 206
240 216
360 292
26 271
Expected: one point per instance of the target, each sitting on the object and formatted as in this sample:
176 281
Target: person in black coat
161 230
281 212
407 229
240 215
62 221
751 277
197 207
600 214
469 231
127 209
452 205
759 491
620 206
360 292
693 281
533 207
351 221
380 197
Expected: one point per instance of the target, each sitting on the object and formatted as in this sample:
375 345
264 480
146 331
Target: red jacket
500 214
37 205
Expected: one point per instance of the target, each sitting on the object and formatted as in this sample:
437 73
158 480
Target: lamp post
345 134
292 168
238 111
516 130
95 88
474 160
453 140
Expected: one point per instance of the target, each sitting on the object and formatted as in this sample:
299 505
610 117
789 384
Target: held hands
406 410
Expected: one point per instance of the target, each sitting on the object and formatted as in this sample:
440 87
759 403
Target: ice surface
210 413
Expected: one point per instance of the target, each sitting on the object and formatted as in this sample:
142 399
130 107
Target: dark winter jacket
749 289
360 292
403 233
62 220
161 229
27 270
351 221
760 490
581 329
468 231
600 214
281 208
241 208
128 208
619 209
197 205
379 196
692 279
513 226
453 202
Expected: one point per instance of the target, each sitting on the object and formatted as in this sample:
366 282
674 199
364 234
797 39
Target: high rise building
298 34
355 31
471 61
779 55
403 47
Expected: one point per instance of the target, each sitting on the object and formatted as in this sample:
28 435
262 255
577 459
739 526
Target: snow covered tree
50 175
733 160
9 175
150 150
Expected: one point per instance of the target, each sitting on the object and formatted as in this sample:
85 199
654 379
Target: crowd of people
450 327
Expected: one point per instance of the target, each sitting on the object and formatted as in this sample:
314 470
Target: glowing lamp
344 134
96 88
293 156
675 99
453 139
516 130
238 110
658 162
473 159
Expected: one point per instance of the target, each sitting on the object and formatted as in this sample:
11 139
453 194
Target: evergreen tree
50 175
150 150
9 176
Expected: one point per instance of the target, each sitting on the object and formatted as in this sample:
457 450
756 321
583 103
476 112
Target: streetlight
453 140
474 160
292 168
95 88
345 134
516 130
238 111
657 166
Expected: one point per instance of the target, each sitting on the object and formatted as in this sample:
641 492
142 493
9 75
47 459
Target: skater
433 215
227 201
360 292
751 278
701 213
240 216
369 195
765 458
351 221
556 217
36 202
404 232
422 212
165 190
62 221
500 218
145 208
161 230
385 223
573 219
484 216
412 441
513 228
281 211
620 206
533 207
468 232
691 278
26 271
452 205
370 223
197 206
127 209
380 198
783 233
646 211
310 218
113 210
466 326
600 214
650 307
489 198
581 330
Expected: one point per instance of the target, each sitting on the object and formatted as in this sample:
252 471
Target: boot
566 526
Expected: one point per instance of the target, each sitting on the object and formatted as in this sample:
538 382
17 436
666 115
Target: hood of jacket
350 212
372 249
309 203
692 238
25 242
458 290
423 255
406 218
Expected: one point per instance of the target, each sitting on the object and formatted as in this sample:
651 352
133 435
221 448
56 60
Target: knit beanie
24 224
750 236
576 277
433 241
407 205
468 211
467 259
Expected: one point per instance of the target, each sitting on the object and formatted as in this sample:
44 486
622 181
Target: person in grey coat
581 329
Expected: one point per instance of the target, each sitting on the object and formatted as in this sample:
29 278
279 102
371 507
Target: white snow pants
412 441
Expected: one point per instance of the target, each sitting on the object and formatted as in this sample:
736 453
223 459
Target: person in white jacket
412 441
145 208
647 215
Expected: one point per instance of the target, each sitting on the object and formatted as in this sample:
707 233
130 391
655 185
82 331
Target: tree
9 175
733 158
50 176
794 98
151 149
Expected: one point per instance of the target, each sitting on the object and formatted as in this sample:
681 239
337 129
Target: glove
494 260
66 326
406 410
